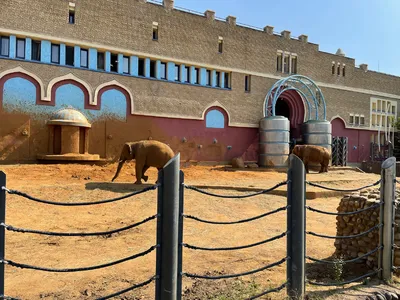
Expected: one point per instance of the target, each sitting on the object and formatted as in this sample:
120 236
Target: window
71 16
357 120
4 46
333 68
351 121
126 69
185 75
218 79
196 76
152 68
215 119
163 70
247 79
21 48
344 71
227 82
362 120
279 62
55 54
294 65
69 55
155 31
286 64
393 109
84 58
100 61
220 44
177 72
141 67
338 69
114 63
35 50
208 77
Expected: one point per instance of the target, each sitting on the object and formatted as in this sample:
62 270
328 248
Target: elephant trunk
121 162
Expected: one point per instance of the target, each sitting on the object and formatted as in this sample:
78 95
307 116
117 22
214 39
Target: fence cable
23 230
344 282
344 213
239 221
235 248
24 195
25 266
344 236
345 261
343 190
139 285
277 289
235 197
236 275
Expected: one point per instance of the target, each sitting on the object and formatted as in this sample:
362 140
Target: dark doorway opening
282 108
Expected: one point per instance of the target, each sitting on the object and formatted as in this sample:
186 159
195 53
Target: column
203 75
147 67
192 75
120 63
158 69
107 61
222 79
28 48
134 66
45 52
77 57
290 63
86 147
171 71
283 62
182 79
213 78
62 54
92 59
13 46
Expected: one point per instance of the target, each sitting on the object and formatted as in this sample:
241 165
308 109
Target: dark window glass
344 71
141 67
163 71
227 83
153 69
218 79
114 63
220 46
20 48
126 65
36 50
279 63
177 72
208 77
247 83
55 54
69 55
196 76
71 17
84 58
338 69
100 61
186 75
4 46
294 65
333 69
155 33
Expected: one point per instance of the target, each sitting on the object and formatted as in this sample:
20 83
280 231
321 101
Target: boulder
238 162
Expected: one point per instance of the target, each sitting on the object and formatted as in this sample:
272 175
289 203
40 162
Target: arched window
215 119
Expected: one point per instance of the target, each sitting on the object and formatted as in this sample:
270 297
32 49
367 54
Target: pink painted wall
359 140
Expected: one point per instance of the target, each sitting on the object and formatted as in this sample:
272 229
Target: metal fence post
388 188
296 244
168 231
2 229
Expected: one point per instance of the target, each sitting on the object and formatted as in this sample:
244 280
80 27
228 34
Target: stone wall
358 223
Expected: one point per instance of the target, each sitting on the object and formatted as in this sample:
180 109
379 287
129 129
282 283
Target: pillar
86 149
70 139
13 46
107 62
134 66
62 54
92 59
77 57
45 52
28 48
171 71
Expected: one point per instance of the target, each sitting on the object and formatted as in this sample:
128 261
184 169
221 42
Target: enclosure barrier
170 225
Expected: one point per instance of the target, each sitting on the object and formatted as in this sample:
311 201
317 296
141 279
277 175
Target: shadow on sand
117 186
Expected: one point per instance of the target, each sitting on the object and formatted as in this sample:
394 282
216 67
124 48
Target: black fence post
168 231
2 228
180 234
296 244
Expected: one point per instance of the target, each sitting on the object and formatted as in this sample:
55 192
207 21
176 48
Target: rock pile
361 222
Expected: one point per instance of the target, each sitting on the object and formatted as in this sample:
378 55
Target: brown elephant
147 154
313 154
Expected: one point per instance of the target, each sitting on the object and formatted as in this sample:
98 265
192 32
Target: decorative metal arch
308 90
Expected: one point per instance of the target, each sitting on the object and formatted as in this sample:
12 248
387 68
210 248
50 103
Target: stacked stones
358 223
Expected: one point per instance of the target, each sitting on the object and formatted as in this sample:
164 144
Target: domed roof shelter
68 137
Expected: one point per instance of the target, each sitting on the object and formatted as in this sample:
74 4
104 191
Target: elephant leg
138 169
305 161
322 168
120 164
144 177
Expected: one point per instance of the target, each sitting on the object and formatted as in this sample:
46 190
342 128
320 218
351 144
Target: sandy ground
73 183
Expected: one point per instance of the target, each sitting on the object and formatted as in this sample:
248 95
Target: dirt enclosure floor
75 183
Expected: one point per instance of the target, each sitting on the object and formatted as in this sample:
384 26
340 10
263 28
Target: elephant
313 154
148 153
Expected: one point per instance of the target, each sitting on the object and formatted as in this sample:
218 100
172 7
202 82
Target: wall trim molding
183 61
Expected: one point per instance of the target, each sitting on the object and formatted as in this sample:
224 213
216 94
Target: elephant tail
121 162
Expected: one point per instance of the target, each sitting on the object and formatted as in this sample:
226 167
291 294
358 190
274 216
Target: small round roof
69 116
340 52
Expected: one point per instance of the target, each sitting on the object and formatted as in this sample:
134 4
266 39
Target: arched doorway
282 108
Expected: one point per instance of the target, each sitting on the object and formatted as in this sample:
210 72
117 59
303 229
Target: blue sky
367 30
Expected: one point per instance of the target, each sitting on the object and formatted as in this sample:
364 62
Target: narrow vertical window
185 74
218 79
153 68
100 61
84 58
393 109
155 31
35 55
55 54
279 62
163 70
247 80
294 65
208 77
351 121
114 63
196 76
362 120
21 48
126 65
227 82
141 67
220 44
177 72
69 56
4 46
338 69
344 71
333 68
71 16
357 120
286 64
